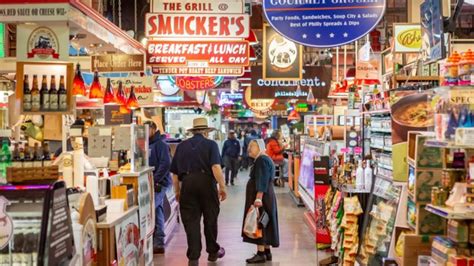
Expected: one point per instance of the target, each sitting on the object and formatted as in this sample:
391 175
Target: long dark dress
261 180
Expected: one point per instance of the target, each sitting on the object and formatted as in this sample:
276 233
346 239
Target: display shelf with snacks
450 213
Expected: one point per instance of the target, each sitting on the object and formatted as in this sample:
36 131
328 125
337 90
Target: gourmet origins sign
323 23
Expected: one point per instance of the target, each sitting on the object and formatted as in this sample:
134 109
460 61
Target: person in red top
275 149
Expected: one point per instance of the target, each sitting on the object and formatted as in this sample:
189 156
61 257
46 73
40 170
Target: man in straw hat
197 171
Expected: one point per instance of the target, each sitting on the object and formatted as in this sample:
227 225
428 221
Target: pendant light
121 99
132 102
78 85
298 90
95 91
109 96
310 99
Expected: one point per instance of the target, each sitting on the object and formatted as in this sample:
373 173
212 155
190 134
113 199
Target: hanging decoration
95 91
109 96
78 85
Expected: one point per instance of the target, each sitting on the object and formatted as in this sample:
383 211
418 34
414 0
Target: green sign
2 40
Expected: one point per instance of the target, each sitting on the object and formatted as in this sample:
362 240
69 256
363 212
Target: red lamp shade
95 91
121 99
252 39
109 96
78 85
132 102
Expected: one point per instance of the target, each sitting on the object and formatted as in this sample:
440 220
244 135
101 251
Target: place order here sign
192 37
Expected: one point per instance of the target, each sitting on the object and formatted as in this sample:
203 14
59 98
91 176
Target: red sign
197 83
198 71
159 25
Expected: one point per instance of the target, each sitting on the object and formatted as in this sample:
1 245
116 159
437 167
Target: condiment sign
198 6
323 23
160 25
407 38
198 57
118 63
282 58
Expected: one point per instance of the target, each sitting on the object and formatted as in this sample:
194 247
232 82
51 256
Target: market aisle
297 244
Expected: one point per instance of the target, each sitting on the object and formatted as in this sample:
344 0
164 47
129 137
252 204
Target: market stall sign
324 23
118 63
160 25
258 106
43 42
316 77
143 87
198 6
197 83
227 58
461 96
34 11
113 116
282 58
367 69
407 38
432 30
229 98
166 86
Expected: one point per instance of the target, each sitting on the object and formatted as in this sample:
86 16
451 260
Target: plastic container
452 69
466 69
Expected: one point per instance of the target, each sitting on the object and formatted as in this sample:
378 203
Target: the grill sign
197 26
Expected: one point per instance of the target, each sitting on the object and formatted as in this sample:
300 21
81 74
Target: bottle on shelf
37 156
46 155
16 160
360 176
62 95
35 96
44 94
26 94
368 176
78 85
53 95
5 161
28 161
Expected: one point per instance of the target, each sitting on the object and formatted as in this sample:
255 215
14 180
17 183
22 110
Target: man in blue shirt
197 171
160 159
230 154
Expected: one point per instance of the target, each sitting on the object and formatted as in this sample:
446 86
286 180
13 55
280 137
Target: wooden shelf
449 213
377 112
416 78
380 130
381 147
446 145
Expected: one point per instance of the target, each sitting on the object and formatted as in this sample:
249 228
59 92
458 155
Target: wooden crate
424 222
24 174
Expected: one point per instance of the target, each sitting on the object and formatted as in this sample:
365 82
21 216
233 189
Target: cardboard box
415 245
421 156
424 222
421 181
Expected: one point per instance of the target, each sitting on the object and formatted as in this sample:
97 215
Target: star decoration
331 35
318 35
345 34
304 36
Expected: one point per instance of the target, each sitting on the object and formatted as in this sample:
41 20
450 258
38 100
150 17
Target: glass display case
36 227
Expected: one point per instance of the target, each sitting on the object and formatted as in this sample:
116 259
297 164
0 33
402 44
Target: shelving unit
449 213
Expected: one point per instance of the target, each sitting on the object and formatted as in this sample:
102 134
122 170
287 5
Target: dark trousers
199 197
231 168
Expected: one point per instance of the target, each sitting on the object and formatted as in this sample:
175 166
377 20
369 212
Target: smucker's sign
199 6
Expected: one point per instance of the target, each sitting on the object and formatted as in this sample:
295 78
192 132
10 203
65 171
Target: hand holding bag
251 229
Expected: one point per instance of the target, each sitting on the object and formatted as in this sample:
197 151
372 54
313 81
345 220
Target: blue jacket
160 159
231 148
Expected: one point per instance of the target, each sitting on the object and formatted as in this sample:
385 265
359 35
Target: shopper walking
230 154
160 159
261 194
197 171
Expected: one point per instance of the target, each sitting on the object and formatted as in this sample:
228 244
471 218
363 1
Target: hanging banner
160 25
226 58
143 87
282 58
118 63
368 69
407 38
323 23
34 11
432 30
43 43
316 77
198 6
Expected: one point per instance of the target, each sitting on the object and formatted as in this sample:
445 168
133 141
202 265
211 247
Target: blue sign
324 23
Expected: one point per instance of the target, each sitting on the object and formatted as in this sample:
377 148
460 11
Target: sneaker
218 255
158 250
256 259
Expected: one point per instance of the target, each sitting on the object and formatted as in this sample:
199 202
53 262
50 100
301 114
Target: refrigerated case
37 228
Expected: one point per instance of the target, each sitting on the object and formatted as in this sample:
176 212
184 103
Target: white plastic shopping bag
251 223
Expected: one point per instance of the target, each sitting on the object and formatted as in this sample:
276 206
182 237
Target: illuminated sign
2 40
197 83
198 6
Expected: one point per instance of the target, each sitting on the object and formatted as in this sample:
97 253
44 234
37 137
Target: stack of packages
377 235
350 224
334 219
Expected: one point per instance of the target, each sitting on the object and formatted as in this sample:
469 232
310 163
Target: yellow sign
461 96
407 38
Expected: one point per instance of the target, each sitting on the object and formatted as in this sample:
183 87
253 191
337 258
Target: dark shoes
158 250
268 256
258 258
218 255
193 263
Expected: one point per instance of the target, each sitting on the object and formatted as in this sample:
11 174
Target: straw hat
200 123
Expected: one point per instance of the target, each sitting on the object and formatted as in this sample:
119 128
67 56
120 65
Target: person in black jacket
160 159
230 154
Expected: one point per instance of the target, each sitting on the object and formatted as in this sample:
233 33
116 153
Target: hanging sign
407 38
367 69
166 85
227 58
34 11
432 30
316 77
197 83
282 58
43 42
323 23
259 106
160 25
198 6
118 63
143 87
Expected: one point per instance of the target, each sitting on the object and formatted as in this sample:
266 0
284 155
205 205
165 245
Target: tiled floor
297 243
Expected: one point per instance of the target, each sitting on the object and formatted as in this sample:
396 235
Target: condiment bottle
452 69
466 69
